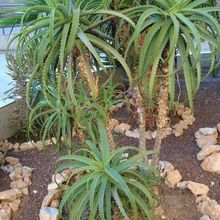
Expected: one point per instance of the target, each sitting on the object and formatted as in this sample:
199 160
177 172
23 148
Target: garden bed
181 152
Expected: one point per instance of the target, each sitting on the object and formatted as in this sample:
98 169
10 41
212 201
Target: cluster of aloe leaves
76 43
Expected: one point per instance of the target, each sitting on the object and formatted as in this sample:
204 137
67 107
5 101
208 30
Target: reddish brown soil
181 152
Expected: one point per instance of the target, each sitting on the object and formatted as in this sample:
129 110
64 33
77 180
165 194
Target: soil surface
43 164
181 152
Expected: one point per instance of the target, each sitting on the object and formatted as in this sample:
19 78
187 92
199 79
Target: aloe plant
173 27
66 40
108 182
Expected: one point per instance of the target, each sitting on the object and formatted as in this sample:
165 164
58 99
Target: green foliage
108 181
180 27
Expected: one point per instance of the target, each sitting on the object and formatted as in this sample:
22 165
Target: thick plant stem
163 109
141 118
111 141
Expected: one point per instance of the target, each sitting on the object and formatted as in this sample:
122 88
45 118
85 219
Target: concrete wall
6 128
4 42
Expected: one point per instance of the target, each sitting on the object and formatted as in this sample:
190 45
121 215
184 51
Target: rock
27 146
66 173
27 180
154 134
15 205
182 185
25 191
18 169
12 160
218 127
58 179
113 123
27 171
132 134
16 146
15 176
206 140
39 145
148 135
52 195
5 213
205 217
122 128
168 131
7 169
178 132
208 207
52 186
10 195
212 163
188 119
55 203
49 214
208 131
165 167
21 184
207 150
173 178
10 146
197 188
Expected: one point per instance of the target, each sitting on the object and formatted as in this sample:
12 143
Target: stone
58 179
15 205
52 195
218 127
7 169
165 167
183 125
5 213
207 150
178 132
182 185
26 146
15 176
16 146
212 163
208 207
172 178
12 160
205 217
206 140
132 134
55 203
54 140
189 119
25 191
49 214
168 131
148 135
154 134
21 184
197 188
27 171
113 123
208 131
18 170
10 195
66 173
122 128
39 145
52 186
10 146
27 180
